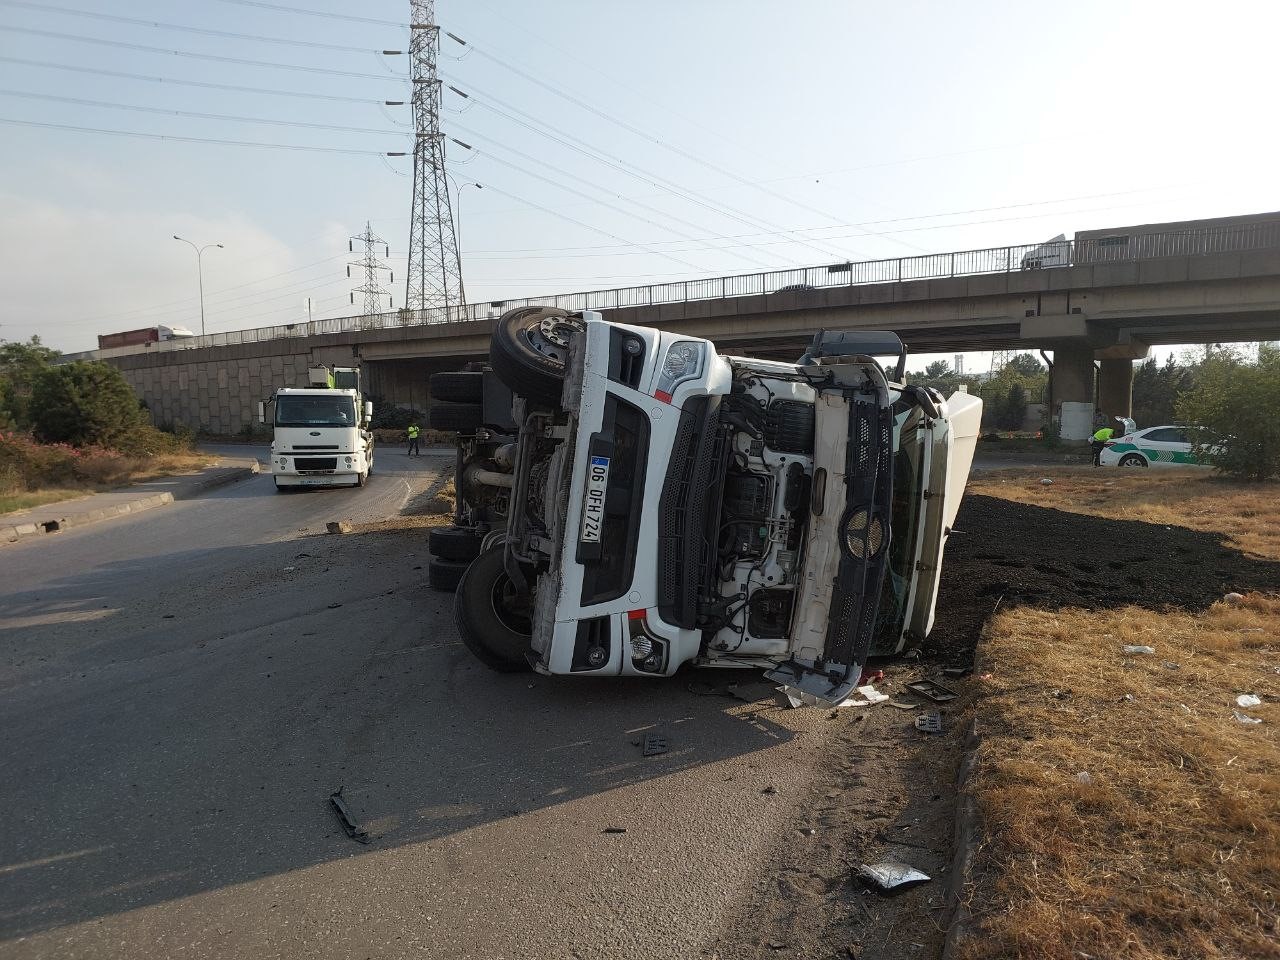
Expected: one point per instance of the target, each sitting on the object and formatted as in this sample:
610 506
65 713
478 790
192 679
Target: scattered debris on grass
890 877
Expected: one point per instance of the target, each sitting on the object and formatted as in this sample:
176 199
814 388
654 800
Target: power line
596 186
200 83
199 56
315 13
159 136
198 116
92 14
652 179
636 131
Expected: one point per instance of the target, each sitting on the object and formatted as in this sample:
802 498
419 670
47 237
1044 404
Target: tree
1156 389
1026 365
1011 407
936 370
84 404
1231 414
20 365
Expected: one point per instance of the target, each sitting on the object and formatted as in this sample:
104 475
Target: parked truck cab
322 435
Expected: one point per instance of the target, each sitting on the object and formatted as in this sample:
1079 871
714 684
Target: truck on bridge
133 338
322 436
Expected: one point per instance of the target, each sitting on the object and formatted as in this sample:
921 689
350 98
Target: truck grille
316 463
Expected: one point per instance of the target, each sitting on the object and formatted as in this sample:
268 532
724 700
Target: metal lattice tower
1000 359
435 266
372 267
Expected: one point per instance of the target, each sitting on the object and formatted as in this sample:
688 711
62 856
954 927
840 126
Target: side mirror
368 410
262 412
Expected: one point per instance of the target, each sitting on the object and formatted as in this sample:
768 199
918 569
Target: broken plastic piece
891 877
955 671
654 745
1245 718
615 830
929 722
871 695
1248 700
932 690
345 817
1132 648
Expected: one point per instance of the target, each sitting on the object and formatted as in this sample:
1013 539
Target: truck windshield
315 412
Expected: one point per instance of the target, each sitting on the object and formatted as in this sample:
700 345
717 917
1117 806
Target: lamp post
199 271
457 219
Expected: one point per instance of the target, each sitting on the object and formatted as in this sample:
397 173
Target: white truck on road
322 436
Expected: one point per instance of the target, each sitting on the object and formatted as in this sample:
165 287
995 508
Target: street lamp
199 271
457 220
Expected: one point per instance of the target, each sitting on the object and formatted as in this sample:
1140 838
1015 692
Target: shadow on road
187 737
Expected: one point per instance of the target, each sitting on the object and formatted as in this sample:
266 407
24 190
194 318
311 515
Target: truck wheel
453 543
529 349
282 489
457 387
445 574
493 620
463 417
362 478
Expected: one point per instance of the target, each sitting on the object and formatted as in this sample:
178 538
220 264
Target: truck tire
490 620
445 574
454 543
529 349
462 417
457 387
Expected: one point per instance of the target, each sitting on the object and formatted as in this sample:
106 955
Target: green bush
1232 414
84 404
387 416
145 440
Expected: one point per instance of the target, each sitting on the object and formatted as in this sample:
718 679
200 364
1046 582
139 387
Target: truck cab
669 505
322 435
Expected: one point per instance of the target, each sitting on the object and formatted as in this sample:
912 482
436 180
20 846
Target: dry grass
25 501
1126 811
1248 514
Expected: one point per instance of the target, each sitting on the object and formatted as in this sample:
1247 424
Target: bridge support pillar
1115 388
1071 387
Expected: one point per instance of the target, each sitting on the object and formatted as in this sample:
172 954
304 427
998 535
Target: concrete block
1216 267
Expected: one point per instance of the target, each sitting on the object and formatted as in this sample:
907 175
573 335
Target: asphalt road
181 691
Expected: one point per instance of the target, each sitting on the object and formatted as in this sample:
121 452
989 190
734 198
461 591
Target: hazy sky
729 137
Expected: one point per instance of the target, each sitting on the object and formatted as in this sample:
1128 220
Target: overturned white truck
631 501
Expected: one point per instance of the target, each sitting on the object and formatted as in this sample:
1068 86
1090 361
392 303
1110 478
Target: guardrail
1037 256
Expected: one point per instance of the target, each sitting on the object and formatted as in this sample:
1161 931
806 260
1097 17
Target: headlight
641 646
855 528
284 462
349 461
682 362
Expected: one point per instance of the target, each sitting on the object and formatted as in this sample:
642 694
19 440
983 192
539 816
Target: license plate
593 502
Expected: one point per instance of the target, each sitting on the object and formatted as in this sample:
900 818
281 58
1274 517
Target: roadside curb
966 845
219 477
20 531
13 532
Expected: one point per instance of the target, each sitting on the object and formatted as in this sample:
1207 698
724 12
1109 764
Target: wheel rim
550 336
511 609
1131 462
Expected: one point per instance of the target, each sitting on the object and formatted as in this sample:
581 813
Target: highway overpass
1105 296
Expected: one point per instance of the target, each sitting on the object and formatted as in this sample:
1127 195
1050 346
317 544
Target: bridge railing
1117 247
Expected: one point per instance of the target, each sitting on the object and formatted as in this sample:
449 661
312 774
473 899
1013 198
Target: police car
1165 446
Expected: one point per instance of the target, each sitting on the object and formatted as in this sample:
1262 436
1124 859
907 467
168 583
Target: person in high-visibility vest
413 440
1099 442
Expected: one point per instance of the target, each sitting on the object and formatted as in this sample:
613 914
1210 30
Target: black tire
528 351
454 543
462 417
496 634
362 478
280 489
457 387
445 574
1133 460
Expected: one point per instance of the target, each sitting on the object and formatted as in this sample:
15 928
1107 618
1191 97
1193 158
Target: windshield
315 412
904 519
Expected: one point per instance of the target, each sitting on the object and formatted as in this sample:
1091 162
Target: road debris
1138 648
654 745
929 722
1233 598
338 526
932 690
1248 700
346 818
1245 718
1046 482
903 705
1083 777
890 877
865 696
956 672
614 830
